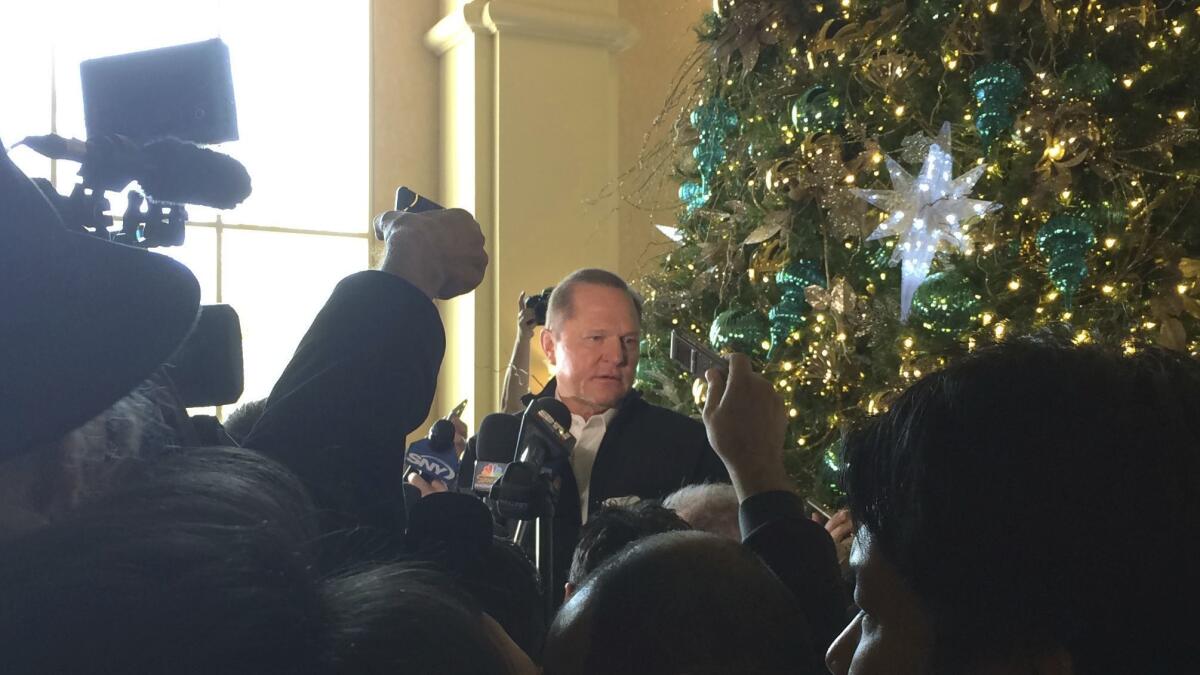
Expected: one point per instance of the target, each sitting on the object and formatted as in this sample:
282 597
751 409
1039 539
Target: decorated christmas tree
871 189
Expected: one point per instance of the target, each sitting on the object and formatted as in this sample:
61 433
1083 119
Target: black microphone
494 445
543 444
545 435
169 170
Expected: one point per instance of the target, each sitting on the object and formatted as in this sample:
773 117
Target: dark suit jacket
361 380
648 451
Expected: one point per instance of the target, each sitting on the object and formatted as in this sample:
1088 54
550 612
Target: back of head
709 507
506 586
176 572
1040 495
404 619
680 602
613 528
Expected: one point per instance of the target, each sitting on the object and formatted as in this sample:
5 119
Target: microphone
545 441
168 169
543 444
494 446
435 456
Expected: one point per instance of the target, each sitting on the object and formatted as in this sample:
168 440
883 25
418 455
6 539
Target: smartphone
458 410
693 355
411 202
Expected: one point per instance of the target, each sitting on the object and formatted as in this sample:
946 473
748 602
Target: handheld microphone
494 445
435 457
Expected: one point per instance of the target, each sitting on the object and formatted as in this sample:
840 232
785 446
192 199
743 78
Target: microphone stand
542 525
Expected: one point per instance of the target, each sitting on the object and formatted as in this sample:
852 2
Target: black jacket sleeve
801 553
361 380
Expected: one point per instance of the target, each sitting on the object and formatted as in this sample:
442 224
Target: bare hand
841 528
526 319
460 435
427 487
746 425
439 252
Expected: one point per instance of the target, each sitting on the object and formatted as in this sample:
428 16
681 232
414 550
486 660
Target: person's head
243 418
199 564
505 584
709 507
83 321
679 602
52 479
593 329
611 530
399 618
1031 509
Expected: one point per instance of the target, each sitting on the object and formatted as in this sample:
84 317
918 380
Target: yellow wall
649 70
526 112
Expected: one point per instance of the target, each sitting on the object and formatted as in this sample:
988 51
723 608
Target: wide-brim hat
83 321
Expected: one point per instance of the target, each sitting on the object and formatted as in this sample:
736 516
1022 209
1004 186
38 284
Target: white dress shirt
588 435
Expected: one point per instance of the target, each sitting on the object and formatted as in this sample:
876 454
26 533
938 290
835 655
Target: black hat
82 320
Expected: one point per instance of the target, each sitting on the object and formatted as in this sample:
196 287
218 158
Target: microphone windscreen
188 174
442 433
497 438
556 408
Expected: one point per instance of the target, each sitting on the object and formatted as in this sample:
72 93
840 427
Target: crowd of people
1030 509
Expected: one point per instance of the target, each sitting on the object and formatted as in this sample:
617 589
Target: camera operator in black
625 446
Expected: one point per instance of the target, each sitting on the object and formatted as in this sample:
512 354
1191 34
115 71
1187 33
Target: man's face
595 350
891 634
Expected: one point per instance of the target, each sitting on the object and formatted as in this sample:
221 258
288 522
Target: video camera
539 304
145 114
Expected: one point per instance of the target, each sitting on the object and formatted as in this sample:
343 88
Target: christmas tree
871 189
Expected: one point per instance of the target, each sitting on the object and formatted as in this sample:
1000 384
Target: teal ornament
799 275
1065 241
946 303
1090 80
817 110
693 195
708 157
785 318
997 86
740 330
714 116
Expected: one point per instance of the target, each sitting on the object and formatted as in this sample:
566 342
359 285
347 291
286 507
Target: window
301 82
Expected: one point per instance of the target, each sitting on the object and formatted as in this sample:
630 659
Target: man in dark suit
625 446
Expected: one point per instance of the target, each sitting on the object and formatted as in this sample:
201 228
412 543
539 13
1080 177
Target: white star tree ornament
925 212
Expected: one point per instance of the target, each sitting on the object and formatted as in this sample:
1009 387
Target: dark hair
194 566
505 584
561 302
239 422
1034 495
680 602
613 528
399 618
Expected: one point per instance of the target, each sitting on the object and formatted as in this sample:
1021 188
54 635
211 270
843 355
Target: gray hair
560 306
710 507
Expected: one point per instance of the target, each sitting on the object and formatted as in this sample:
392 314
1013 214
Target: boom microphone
169 170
